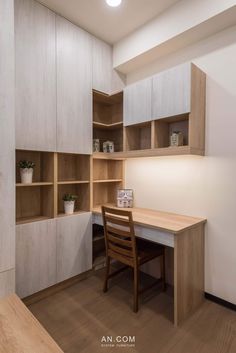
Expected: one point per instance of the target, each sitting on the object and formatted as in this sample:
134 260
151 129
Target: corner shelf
108 119
111 126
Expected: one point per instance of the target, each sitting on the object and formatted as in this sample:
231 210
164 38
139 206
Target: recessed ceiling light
113 3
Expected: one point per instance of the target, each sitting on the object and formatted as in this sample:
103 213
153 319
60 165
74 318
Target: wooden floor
78 317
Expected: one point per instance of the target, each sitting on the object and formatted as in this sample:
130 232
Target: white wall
179 25
201 186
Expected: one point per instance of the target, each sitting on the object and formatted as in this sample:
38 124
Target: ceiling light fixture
113 3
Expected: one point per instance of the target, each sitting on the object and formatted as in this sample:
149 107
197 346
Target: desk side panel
188 272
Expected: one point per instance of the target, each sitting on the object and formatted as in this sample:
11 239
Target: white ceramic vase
26 175
69 207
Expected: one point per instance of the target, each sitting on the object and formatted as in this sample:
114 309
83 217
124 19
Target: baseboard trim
47 292
220 301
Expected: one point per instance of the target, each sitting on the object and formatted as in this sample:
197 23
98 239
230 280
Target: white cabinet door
102 66
35 257
74 88
171 92
138 102
7 147
74 245
35 76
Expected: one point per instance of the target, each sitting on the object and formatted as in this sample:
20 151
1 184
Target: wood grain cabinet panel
74 245
7 140
171 92
35 257
138 102
102 66
35 76
74 88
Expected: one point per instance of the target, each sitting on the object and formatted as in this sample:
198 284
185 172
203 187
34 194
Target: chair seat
148 250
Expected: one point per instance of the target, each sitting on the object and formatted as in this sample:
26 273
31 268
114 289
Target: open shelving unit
108 119
55 174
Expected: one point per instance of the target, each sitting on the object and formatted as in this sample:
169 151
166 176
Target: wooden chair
122 245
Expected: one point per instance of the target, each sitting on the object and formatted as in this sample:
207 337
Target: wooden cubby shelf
55 174
108 177
138 137
163 128
108 119
73 167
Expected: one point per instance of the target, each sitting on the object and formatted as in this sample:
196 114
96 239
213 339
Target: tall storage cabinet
102 66
74 88
7 149
35 76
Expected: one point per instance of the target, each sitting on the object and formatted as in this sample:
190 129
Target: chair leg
105 287
136 288
163 271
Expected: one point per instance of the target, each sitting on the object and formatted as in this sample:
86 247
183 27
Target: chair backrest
119 235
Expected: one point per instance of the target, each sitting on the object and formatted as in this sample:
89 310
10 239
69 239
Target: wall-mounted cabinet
74 88
172 101
35 102
171 93
138 102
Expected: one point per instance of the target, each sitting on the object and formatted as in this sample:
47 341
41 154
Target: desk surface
20 332
169 222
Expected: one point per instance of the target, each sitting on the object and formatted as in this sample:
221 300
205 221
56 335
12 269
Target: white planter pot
26 175
69 207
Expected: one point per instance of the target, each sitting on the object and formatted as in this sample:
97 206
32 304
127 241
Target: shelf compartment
105 169
138 137
104 193
107 109
73 167
115 135
34 203
44 167
80 190
163 128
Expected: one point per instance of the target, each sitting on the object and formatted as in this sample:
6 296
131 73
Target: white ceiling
107 23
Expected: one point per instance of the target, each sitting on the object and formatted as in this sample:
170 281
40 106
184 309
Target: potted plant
26 171
69 203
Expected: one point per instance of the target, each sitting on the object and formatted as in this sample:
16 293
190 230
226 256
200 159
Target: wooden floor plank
79 316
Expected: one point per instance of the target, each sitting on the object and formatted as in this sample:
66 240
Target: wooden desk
20 332
184 234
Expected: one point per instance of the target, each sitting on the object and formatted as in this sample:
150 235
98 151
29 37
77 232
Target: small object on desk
96 145
108 147
125 198
176 139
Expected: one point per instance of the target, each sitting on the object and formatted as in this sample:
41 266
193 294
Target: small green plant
69 197
26 164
